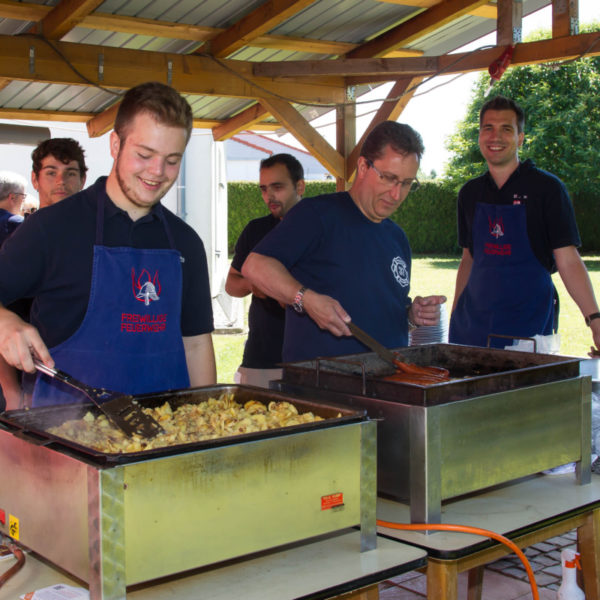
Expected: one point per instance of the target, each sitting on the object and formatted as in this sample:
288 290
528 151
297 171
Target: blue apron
130 338
509 292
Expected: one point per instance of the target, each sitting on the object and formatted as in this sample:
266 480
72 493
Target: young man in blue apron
120 284
516 226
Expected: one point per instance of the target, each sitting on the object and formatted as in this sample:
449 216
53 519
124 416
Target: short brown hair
161 101
63 149
402 138
503 103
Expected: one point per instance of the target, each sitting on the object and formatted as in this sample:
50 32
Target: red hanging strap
497 67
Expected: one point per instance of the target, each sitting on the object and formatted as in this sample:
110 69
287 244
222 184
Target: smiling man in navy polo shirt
517 226
120 284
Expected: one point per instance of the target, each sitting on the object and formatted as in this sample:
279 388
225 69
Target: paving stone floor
504 579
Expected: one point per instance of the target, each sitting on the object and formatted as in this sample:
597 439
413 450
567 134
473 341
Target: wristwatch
590 318
298 303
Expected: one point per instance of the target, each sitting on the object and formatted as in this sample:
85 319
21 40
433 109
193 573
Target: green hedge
245 203
428 215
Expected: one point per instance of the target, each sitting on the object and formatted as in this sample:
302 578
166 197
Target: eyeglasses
393 181
18 194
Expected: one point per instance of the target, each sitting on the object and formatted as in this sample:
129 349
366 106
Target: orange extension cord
16 567
476 531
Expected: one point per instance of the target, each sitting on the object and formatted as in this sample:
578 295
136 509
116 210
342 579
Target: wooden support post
509 29
565 18
345 134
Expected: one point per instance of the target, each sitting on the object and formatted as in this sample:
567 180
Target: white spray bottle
569 590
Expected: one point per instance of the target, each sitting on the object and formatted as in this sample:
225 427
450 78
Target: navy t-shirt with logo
330 247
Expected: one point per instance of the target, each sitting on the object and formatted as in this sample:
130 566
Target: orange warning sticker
332 501
13 527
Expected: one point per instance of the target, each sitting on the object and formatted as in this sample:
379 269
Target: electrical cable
20 556
474 530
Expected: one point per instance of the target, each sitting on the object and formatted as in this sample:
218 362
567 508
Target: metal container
116 520
503 415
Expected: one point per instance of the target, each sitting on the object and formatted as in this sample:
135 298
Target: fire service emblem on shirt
145 288
496 227
400 271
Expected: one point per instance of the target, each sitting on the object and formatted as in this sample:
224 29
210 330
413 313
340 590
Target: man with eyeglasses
338 257
516 226
12 194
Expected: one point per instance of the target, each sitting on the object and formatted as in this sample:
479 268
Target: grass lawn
436 275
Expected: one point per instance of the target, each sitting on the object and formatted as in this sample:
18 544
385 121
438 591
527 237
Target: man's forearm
462 275
200 359
271 276
236 284
576 279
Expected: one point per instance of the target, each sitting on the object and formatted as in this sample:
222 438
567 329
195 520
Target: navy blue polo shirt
266 317
550 217
49 259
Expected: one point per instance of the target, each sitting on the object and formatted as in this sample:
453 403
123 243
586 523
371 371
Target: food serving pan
35 422
119 520
503 415
474 372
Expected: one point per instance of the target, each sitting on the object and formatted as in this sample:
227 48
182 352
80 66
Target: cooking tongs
425 374
121 409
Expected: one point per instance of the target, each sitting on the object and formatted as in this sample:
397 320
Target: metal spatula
121 409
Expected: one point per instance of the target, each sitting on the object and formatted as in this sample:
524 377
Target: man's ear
115 144
300 187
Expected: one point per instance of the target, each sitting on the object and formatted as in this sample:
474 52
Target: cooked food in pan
213 418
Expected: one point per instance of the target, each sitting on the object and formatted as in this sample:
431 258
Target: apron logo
496 227
400 271
144 288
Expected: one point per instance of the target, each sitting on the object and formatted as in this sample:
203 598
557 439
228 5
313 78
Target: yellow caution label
13 527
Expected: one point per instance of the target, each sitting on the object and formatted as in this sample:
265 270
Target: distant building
245 150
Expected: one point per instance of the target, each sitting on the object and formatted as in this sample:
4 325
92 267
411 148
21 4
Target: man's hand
426 311
20 341
327 313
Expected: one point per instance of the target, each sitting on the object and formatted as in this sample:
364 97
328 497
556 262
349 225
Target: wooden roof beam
244 120
303 131
124 68
66 15
25 11
409 31
486 11
387 69
259 21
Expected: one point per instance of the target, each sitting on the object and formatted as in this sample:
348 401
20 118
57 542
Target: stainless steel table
527 511
324 568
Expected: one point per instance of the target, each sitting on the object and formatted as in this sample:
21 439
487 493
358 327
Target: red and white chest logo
145 288
496 227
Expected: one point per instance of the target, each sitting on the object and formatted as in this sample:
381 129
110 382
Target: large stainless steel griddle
116 520
503 415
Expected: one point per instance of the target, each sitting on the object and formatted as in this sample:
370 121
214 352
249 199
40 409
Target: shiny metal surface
435 447
122 524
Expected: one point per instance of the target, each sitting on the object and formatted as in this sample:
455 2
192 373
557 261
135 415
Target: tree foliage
562 121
